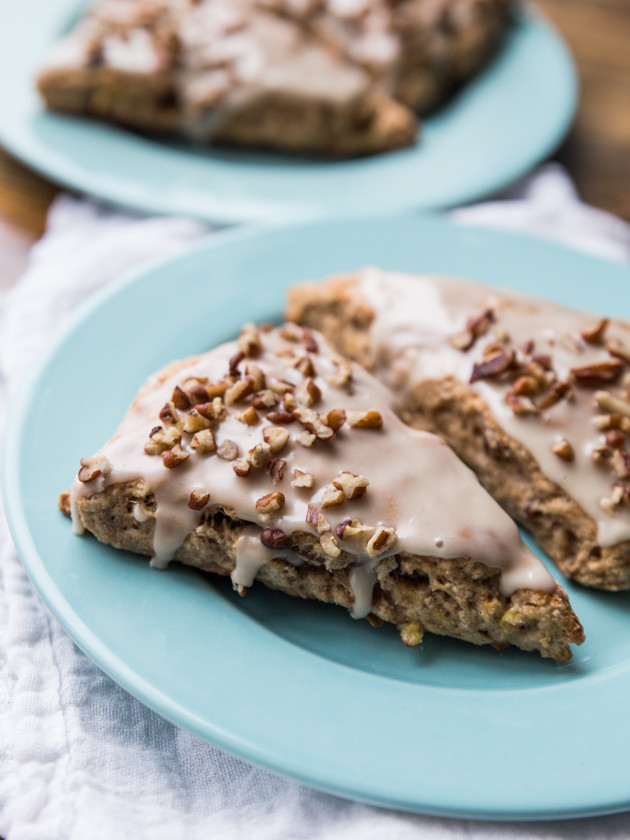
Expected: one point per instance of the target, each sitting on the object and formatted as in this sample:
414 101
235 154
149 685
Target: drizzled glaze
417 318
417 486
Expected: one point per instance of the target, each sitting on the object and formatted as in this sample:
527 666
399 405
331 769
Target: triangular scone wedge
231 72
533 396
275 459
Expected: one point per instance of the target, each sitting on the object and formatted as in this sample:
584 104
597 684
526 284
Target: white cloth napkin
80 759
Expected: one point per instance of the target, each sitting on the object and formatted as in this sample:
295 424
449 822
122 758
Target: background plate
295 686
512 116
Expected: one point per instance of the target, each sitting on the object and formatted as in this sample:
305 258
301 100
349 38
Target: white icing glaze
416 316
417 486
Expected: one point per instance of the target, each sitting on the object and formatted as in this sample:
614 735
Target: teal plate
295 686
503 123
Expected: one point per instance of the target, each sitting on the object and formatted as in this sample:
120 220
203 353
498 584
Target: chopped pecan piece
248 416
194 421
335 418
241 467
329 544
598 374
228 450
239 390
198 499
280 417
365 419
332 497
257 376
275 538
303 479
305 365
312 421
174 457
563 449
259 455
615 405
91 468
342 378
180 399
600 454
353 486
275 468
619 351
204 443
316 518
276 436
521 405
249 340
270 503
493 366
264 399
306 438
615 500
234 362
382 541
352 528
558 390
168 414
594 334
162 439
308 393
310 345
615 439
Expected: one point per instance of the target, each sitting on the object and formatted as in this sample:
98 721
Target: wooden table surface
596 152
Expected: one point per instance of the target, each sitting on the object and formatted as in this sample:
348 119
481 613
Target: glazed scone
328 77
533 396
274 459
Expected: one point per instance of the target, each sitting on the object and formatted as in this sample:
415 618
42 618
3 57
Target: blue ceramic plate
512 116
295 686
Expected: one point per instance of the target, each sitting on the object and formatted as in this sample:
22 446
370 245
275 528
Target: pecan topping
316 518
310 345
241 467
276 436
270 504
335 418
595 333
198 499
275 468
365 419
619 351
598 374
558 390
382 541
492 367
91 468
227 449
332 497
249 341
353 486
234 362
563 449
194 421
302 479
351 528
621 463
521 405
476 327
174 457
329 544
280 417
615 439
606 401
249 416
309 393
180 399
238 391
275 538
168 414
259 455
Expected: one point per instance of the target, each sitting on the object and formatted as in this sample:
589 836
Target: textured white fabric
80 759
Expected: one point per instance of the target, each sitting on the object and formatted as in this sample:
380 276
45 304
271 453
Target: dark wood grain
596 152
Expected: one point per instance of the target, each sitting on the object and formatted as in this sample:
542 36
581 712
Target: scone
533 396
328 77
274 459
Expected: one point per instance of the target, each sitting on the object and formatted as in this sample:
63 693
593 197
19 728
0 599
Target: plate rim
18 521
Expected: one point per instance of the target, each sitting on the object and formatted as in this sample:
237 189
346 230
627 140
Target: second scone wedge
275 459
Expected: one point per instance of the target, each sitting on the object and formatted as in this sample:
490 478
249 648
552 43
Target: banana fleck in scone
324 76
533 396
274 459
